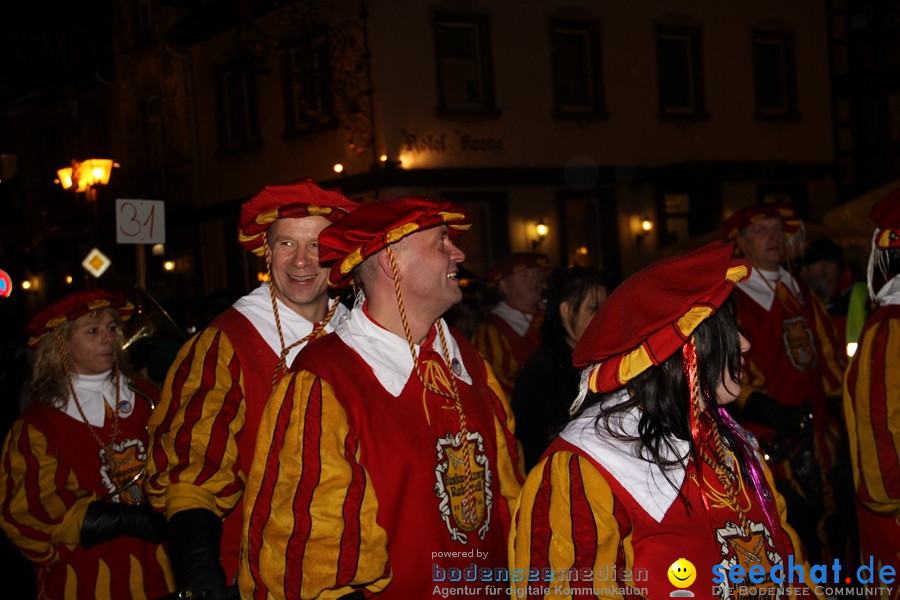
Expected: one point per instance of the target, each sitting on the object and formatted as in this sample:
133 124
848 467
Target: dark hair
568 285
661 394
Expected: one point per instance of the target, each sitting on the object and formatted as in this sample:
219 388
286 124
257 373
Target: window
680 73
577 74
465 77
308 88
238 109
775 75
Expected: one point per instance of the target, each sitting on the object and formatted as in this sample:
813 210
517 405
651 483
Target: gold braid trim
107 447
468 507
278 373
726 476
280 369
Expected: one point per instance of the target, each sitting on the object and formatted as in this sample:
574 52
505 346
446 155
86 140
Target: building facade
588 116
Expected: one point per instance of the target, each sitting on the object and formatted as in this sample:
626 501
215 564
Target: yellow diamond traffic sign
96 262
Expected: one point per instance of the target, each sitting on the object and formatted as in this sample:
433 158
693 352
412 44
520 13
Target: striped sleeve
42 504
563 521
510 459
310 512
872 409
494 347
193 456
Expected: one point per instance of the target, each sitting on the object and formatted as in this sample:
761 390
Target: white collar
761 283
388 354
889 292
642 479
257 307
92 391
520 321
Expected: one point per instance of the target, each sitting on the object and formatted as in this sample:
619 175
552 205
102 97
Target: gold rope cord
725 475
285 350
469 499
110 455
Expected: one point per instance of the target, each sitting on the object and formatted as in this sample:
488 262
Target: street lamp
83 176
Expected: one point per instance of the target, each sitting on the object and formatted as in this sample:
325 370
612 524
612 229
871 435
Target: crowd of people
331 435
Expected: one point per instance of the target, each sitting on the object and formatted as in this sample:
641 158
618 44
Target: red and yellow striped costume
50 471
586 532
353 487
203 432
872 411
795 358
505 350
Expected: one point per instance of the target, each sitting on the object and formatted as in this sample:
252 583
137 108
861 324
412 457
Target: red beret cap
68 308
651 315
733 225
517 262
886 216
302 198
375 225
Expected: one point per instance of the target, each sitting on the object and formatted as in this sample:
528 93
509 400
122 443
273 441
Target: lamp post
84 176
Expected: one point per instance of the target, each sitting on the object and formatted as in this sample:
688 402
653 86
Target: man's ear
740 243
504 289
384 263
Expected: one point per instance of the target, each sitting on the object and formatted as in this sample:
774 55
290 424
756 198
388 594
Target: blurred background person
548 382
872 399
823 268
511 332
790 397
72 464
652 468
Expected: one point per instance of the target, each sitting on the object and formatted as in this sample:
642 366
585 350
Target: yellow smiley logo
682 573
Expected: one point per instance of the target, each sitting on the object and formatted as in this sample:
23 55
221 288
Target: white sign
140 221
96 263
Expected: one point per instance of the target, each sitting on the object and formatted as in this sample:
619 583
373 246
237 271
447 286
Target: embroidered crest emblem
757 549
450 486
799 344
121 470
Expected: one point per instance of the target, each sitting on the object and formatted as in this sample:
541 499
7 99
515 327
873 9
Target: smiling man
388 455
204 430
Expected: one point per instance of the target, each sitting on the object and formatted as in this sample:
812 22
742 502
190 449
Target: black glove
195 540
104 521
787 421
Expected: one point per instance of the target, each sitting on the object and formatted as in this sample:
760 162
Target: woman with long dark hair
547 383
652 489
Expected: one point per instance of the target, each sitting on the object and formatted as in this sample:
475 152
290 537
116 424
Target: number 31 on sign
140 221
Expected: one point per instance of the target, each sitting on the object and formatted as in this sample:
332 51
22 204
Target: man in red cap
795 364
204 431
872 397
385 463
511 332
